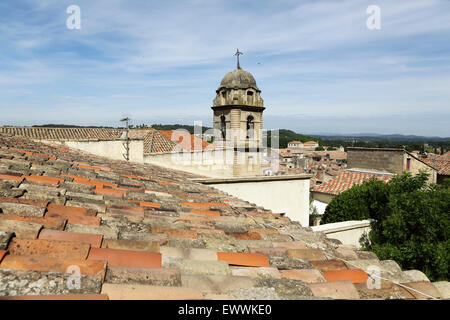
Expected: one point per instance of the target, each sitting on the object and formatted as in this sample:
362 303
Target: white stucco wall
348 232
281 194
212 163
113 149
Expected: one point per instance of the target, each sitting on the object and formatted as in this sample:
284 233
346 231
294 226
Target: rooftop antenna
237 54
127 140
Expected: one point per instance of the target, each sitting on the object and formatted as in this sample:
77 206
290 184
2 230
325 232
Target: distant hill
374 140
376 136
188 128
67 126
409 142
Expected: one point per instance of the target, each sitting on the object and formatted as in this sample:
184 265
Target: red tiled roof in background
185 140
440 162
347 179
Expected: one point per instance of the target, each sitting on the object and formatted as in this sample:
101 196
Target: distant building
295 144
390 160
366 163
441 163
310 145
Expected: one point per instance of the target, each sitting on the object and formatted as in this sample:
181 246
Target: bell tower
238 109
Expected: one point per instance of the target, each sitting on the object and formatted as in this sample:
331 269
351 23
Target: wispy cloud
164 60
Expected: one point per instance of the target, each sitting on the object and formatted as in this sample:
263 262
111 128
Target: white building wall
113 149
348 232
213 163
281 194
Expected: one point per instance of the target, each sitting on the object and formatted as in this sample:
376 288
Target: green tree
411 222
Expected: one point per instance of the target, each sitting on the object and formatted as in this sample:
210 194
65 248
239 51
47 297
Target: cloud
164 60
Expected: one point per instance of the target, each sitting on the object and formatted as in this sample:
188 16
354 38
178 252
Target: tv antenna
127 140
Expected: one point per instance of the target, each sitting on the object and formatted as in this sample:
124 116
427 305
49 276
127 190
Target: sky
320 68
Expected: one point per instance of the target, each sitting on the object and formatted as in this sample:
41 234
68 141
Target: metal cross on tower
237 54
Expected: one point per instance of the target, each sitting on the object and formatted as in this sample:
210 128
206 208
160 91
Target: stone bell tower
238 109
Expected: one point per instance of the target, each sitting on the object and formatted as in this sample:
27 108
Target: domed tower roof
238 79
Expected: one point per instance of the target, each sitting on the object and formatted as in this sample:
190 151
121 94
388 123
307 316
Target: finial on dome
237 54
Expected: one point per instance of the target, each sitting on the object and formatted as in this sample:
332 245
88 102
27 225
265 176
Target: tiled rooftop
186 140
441 163
347 179
155 141
136 231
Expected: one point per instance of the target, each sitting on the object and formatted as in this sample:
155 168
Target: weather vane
237 54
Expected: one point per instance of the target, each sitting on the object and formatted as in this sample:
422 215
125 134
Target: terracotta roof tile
148 276
22 229
42 263
59 297
2 254
75 219
422 286
176 233
146 292
270 252
336 290
134 245
11 177
329 265
209 213
309 254
256 272
126 258
95 240
110 192
347 179
244 259
290 245
44 179
202 204
185 140
37 203
306 275
67 210
50 249
149 204
354 275
22 209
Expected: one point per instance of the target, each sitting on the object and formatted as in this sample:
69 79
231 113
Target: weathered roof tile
148 276
202 267
244 259
126 258
41 263
336 290
135 245
328 265
423 286
309 254
306 275
47 222
75 219
95 240
22 209
146 292
26 282
51 249
354 276
22 229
